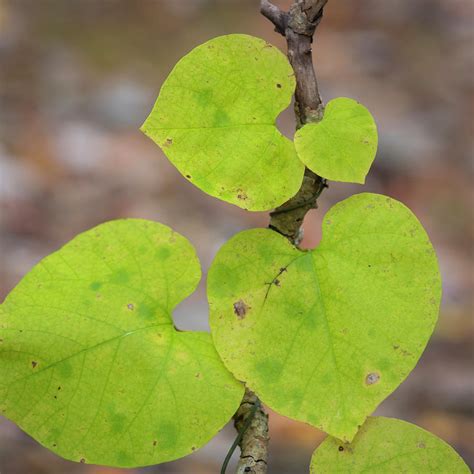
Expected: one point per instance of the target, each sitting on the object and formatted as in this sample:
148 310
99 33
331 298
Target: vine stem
298 26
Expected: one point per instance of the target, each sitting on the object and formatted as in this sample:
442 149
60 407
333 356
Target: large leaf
90 363
323 336
389 446
215 120
342 146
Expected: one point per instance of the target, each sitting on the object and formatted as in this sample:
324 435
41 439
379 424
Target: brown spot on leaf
240 309
198 375
188 176
155 442
277 282
421 445
130 306
279 86
82 461
168 142
372 378
341 448
241 195
34 363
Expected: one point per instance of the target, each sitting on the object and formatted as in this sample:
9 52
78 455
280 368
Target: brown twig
297 26
251 422
300 24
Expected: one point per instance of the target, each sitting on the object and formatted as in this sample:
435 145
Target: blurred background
77 79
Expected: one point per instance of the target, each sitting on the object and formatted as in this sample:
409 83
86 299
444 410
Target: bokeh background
77 79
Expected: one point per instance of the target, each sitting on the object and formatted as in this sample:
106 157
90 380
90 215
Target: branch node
278 17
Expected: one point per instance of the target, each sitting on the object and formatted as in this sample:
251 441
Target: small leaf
215 121
390 446
91 365
324 336
342 146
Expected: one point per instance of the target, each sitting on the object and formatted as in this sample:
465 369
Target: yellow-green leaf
324 336
388 446
91 365
215 121
342 146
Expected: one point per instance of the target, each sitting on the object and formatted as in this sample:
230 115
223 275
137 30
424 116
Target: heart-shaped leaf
90 363
388 446
323 336
342 146
215 121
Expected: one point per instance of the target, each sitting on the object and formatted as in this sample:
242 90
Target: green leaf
323 336
389 446
215 121
342 146
91 365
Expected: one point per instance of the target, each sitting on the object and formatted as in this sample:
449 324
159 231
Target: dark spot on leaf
130 306
279 86
117 421
188 176
283 269
421 445
272 368
65 369
82 461
163 252
54 445
193 448
95 285
240 309
248 469
34 363
145 311
242 196
221 118
198 375
59 388
155 442
341 448
168 142
372 378
277 282
396 347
